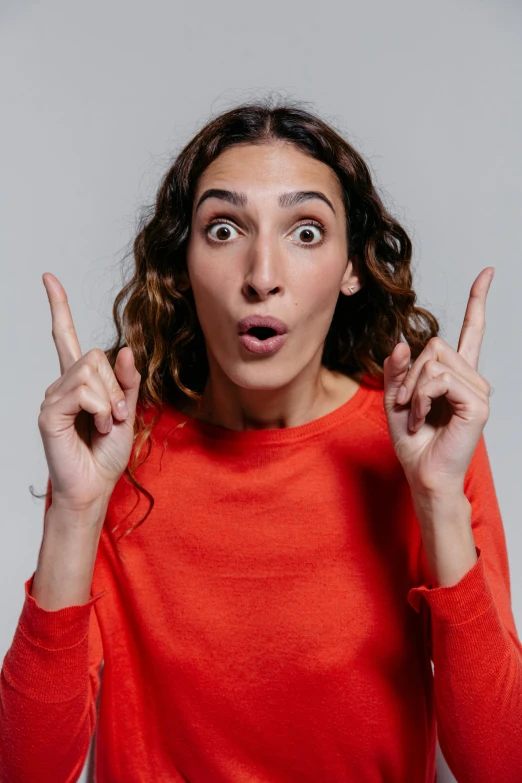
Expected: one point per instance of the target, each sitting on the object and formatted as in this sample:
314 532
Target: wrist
65 518
433 498
447 536
439 509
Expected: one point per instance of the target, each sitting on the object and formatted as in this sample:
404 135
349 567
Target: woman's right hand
87 439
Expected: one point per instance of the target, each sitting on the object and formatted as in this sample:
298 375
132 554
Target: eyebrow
289 199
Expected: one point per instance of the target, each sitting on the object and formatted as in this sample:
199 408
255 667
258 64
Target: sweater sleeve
475 649
49 683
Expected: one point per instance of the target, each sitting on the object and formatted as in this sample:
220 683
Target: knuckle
42 421
116 391
114 386
484 412
96 354
81 391
86 372
103 362
50 389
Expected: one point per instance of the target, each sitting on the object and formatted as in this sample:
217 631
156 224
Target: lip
254 345
262 320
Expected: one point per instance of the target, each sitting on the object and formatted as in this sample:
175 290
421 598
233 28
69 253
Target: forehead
269 168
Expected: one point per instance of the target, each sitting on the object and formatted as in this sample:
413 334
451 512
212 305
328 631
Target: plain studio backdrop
98 98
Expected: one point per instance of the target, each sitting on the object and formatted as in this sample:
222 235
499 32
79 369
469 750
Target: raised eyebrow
298 196
289 199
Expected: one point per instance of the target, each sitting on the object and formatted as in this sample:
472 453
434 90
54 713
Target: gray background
98 97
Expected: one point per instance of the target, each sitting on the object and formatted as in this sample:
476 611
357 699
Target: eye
305 232
223 230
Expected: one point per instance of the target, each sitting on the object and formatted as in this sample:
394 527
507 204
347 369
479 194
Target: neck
227 405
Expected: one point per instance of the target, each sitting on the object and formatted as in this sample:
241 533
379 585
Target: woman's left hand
436 439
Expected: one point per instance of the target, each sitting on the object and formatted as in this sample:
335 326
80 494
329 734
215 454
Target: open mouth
262 332
262 340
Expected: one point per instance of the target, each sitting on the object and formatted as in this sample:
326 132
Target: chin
257 376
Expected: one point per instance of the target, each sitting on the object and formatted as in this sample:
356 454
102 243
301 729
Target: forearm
63 576
477 663
47 689
447 537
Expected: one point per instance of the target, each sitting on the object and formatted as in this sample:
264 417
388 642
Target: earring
351 288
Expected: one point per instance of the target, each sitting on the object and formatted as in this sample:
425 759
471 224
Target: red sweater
267 624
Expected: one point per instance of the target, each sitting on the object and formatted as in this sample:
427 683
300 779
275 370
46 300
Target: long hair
157 319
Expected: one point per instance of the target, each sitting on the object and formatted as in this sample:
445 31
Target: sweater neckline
283 434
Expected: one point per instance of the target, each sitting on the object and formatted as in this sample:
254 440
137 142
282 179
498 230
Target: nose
264 271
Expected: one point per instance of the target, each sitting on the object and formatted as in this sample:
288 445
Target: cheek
208 272
207 275
210 302
211 294
316 294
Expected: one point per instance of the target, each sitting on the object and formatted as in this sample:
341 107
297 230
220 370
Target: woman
263 620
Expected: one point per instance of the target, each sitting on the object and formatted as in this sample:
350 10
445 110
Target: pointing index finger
474 325
63 331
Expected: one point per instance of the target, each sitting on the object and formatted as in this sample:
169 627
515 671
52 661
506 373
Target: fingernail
122 408
401 396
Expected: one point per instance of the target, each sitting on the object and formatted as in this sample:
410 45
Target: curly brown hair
158 319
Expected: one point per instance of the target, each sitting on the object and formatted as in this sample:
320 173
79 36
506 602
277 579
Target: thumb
129 379
396 367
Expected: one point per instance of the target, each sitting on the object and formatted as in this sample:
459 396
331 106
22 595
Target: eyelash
310 222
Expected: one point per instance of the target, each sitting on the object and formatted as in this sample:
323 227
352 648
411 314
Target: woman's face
260 257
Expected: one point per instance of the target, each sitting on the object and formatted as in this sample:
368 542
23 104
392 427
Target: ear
184 281
352 278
